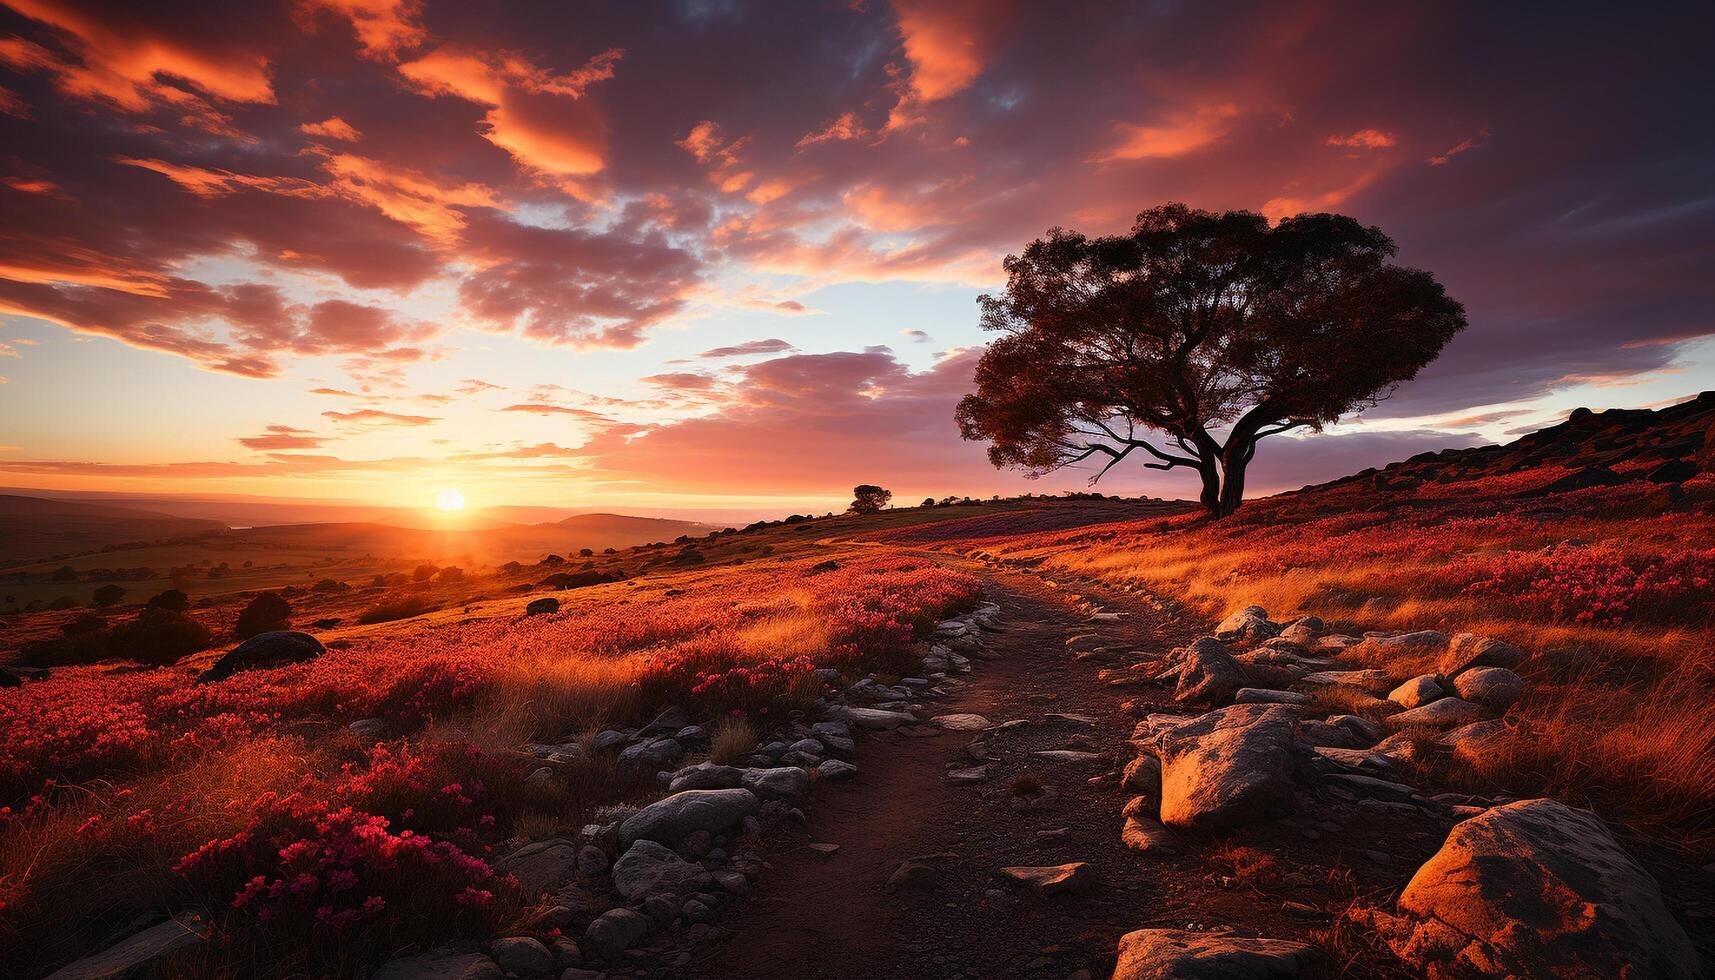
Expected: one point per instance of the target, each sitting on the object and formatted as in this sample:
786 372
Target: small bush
171 600
108 595
266 613
734 738
158 636
403 607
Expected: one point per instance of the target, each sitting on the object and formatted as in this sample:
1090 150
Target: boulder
875 718
1439 714
1417 644
1495 688
542 606
1472 650
1143 775
1265 695
1416 692
1472 742
1248 625
1140 833
1175 954
706 775
1226 767
670 819
780 781
138 953
652 754
1373 681
962 723
834 770
1060 879
1537 889
522 956
542 865
272 649
617 930
648 868
1208 674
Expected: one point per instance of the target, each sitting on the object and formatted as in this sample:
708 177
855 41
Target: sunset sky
667 257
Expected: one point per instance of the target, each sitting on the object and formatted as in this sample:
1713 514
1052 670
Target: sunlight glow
449 500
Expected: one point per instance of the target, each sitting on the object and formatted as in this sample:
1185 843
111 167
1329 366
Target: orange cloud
384 27
374 416
1453 151
1183 134
944 44
332 127
1368 139
544 120
846 127
282 437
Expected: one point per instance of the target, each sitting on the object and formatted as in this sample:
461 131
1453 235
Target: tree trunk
1211 498
1233 486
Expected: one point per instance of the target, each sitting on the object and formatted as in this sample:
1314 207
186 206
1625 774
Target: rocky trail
919 806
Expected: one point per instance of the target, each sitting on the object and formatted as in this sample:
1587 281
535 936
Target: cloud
773 345
1367 139
333 127
1469 143
384 28
1181 134
915 335
277 437
376 417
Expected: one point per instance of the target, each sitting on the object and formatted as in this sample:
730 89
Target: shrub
171 600
424 572
108 595
158 636
62 603
733 739
402 607
266 613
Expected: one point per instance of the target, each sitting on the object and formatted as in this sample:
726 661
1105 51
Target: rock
139 952
1068 718
1208 674
1495 688
592 861
609 739
782 781
1421 643
962 723
440 964
837 729
368 728
1143 775
543 865
806 746
695 911
652 754
1380 789
706 775
1226 767
1248 625
522 956
1471 742
1473 650
876 718
273 649
617 930
1537 889
911 876
542 607
1373 681
668 721
1058 879
1071 757
1143 834
1439 714
968 777
670 819
1175 954
1420 690
826 850
833 770
1263 695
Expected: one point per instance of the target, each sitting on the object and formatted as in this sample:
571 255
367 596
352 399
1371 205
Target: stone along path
902 871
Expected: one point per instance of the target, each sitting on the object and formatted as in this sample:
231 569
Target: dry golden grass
732 740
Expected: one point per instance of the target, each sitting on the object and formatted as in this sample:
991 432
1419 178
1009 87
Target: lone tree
869 499
1215 330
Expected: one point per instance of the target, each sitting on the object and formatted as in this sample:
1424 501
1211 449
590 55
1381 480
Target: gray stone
1418 691
1537 889
670 819
781 781
617 930
522 956
652 755
1226 767
1439 714
1062 879
369 728
1372 681
834 770
1248 625
1071 757
1495 688
1141 833
1469 650
962 723
877 719
912 876
1208 674
542 865
1176 954
1263 695
1421 643
139 951
610 739
706 775
275 648
592 861
542 607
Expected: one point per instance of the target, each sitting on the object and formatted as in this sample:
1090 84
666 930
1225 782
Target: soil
813 915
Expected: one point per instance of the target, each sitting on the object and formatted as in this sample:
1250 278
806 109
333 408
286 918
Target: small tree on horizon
1215 330
868 498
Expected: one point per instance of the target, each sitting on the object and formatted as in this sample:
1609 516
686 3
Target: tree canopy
1213 330
868 498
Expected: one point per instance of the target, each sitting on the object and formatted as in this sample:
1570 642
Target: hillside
998 732
38 528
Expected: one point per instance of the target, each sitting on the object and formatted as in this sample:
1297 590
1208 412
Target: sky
723 257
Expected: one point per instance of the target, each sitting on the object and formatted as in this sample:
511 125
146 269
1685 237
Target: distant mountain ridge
38 528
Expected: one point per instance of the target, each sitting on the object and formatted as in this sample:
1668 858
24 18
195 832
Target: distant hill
33 528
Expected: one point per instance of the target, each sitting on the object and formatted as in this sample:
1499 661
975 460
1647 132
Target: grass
732 740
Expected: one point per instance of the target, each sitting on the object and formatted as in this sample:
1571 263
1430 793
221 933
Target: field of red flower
250 799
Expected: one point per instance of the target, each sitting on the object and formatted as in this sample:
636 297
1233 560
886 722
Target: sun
449 500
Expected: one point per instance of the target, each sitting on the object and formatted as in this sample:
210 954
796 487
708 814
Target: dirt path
817 916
